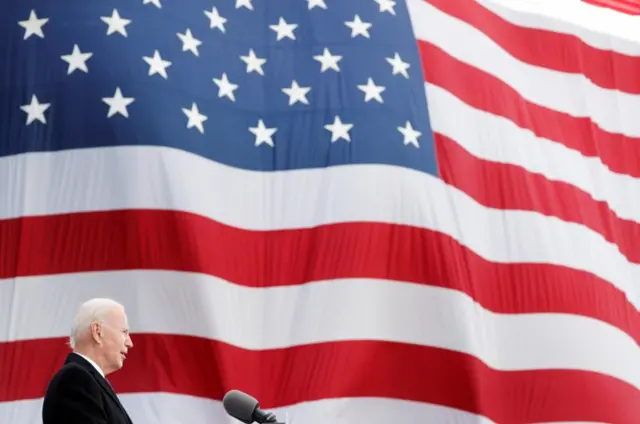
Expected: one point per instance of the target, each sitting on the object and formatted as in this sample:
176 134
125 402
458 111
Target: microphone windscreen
240 405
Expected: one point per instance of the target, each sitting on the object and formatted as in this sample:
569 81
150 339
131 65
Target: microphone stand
271 419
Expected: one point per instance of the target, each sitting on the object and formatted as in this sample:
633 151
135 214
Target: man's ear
96 332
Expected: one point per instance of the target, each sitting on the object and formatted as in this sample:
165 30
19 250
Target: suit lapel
109 389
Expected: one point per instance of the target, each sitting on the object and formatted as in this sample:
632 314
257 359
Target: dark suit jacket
78 394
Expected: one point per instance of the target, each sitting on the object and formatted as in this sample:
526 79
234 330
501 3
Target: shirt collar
89 360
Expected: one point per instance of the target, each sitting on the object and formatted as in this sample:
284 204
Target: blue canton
255 84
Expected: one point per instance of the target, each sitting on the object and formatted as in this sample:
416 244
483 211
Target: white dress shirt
89 360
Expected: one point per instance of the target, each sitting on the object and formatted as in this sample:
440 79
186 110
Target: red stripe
630 7
146 239
204 368
506 186
488 93
548 49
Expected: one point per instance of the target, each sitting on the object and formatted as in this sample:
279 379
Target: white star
189 43
76 60
225 88
118 104
297 93
157 65
372 91
216 21
156 3
399 67
263 134
410 135
283 29
196 119
116 23
35 110
328 61
339 130
316 3
244 3
253 62
358 27
33 25
387 6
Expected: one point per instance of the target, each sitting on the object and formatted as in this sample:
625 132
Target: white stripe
163 178
163 408
573 94
257 319
599 27
497 139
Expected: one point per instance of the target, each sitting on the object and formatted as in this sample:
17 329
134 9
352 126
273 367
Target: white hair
94 310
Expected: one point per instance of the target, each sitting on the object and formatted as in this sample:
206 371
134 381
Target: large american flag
357 211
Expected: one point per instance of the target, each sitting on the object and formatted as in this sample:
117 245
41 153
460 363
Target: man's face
115 340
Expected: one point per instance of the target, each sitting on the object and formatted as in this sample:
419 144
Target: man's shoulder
74 374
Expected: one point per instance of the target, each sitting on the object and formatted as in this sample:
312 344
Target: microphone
246 408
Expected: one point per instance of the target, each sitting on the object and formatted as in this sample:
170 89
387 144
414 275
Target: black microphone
246 408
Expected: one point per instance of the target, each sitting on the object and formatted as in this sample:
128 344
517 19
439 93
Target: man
79 393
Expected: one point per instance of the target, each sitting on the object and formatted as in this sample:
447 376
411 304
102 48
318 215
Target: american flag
362 211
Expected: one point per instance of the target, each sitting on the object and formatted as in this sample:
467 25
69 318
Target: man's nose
128 343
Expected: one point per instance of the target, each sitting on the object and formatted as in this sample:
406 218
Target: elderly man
79 393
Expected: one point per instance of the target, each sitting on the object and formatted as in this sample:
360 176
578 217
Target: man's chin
118 364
